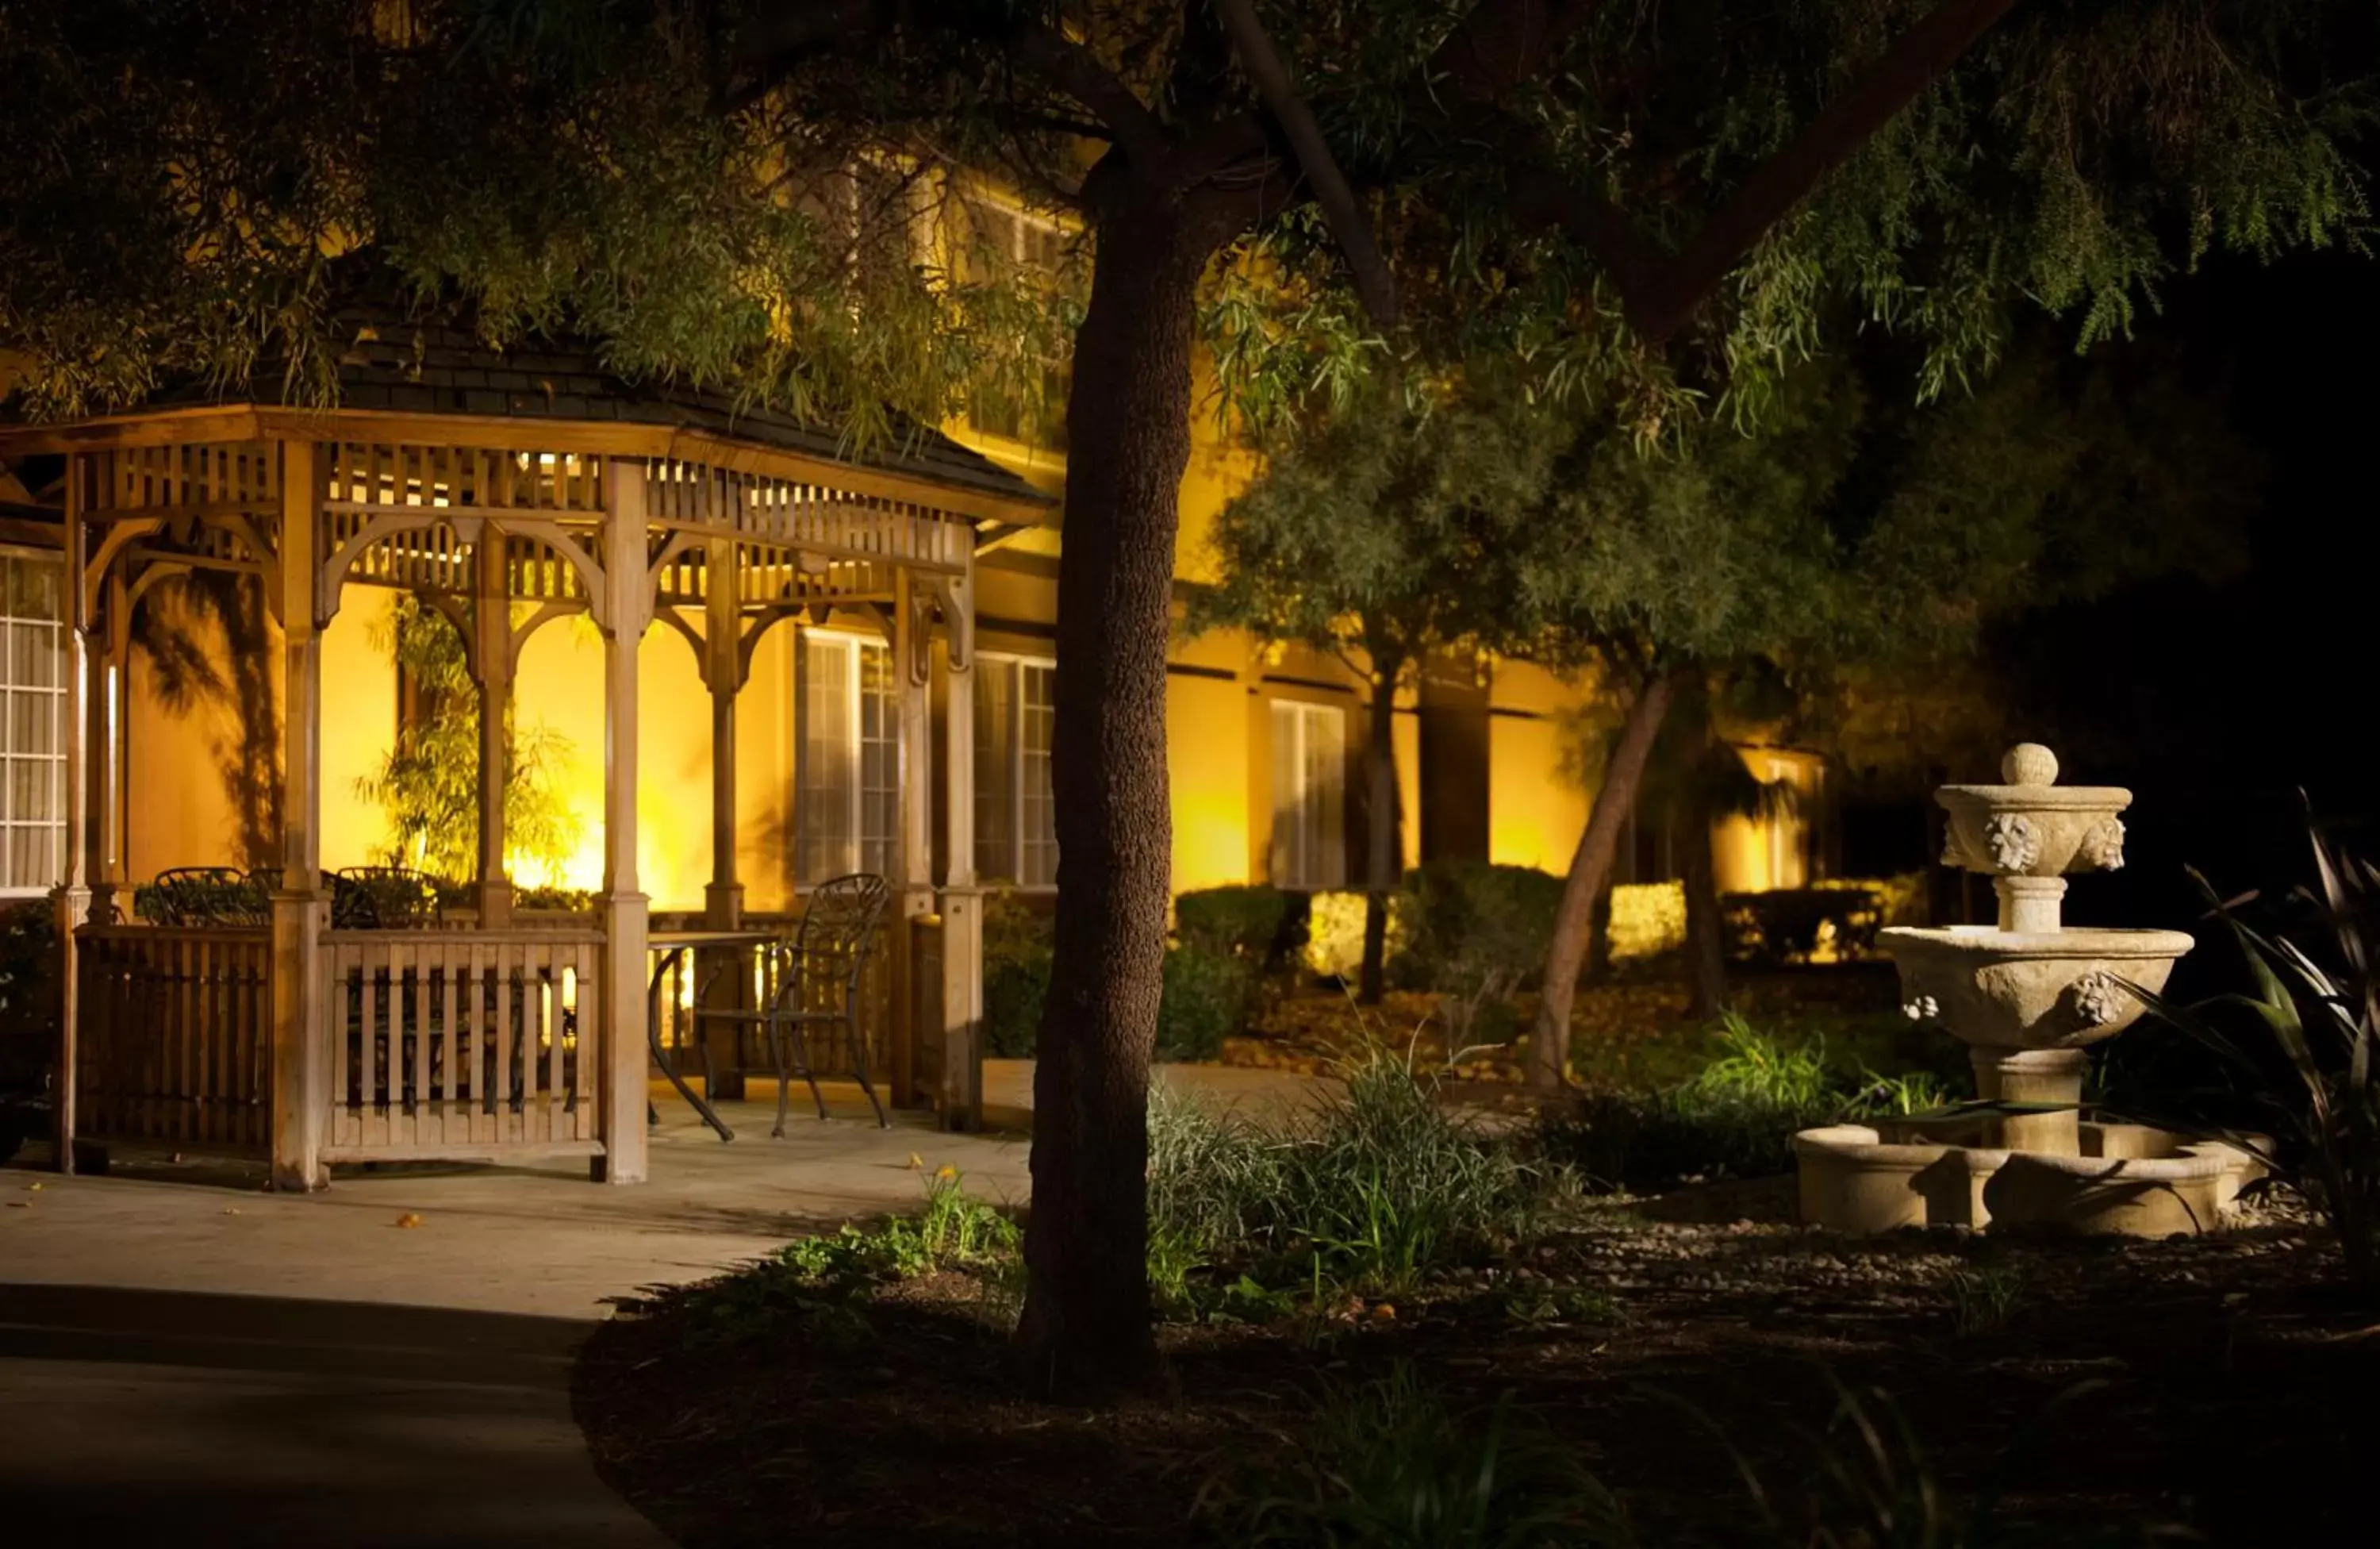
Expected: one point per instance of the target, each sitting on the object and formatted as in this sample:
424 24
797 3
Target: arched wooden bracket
675 618
955 596
751 639
121 535
920 604
470 533
452 611
673 547
747 641
561 607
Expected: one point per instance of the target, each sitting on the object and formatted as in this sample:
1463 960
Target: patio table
668 948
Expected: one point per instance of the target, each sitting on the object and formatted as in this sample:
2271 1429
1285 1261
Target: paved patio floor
186 1357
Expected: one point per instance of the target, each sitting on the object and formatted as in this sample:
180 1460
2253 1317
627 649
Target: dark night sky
2215 704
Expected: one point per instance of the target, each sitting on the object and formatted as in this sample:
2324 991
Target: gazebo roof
404 362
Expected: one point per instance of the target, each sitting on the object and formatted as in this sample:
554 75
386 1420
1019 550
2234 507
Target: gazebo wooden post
491 662
723 901
73 899
962 1092
300 1070
912 657
629 607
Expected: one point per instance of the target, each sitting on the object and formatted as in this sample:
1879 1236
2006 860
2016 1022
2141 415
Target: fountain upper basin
2031 989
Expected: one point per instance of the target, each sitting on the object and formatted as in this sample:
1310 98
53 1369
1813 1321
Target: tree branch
1075 70
1373 281
1919 57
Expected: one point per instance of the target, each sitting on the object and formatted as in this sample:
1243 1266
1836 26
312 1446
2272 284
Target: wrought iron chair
381 898
208 896
815 978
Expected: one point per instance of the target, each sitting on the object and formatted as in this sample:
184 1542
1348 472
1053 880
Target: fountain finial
2029 764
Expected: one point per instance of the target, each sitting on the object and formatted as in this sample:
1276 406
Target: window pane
880 761
995 792
825 770
1288 782
1038 804
1325 792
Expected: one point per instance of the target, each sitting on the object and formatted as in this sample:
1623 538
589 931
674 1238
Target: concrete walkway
187 1360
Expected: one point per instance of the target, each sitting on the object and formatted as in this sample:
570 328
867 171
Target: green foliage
1016 949
1755 1068
29 1015
1477 934
1207 996
1209 991
1734 1116
1984 1298
1390 1463
819 1285
1258 923
428 785
2304 1043
1376 1185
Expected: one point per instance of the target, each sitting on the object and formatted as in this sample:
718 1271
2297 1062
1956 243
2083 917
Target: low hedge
1209 993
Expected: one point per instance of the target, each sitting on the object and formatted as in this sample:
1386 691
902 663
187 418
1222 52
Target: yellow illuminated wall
1536 807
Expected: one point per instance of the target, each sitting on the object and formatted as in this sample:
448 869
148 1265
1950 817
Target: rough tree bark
1086 1328
1549 1037
1382 833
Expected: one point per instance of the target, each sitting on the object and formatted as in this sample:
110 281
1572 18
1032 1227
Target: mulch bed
2224 1384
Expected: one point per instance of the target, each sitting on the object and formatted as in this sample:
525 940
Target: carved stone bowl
2034 831
2030 989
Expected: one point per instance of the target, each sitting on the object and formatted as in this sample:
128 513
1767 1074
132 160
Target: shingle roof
401 362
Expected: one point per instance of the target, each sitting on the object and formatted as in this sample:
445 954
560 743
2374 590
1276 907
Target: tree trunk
1706 931
1550 1038
1086 1328
1381 834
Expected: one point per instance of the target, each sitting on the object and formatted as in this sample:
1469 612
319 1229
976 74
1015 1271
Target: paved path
188 1360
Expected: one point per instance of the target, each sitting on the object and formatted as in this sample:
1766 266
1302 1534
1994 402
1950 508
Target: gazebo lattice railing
506 1035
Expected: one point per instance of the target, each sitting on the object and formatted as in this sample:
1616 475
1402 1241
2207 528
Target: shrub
1390 1463
1779 927
1016 948
1207 996
1334 931
29 1017
1262 925
1647 919
1479 933
2304 1045
1733 1118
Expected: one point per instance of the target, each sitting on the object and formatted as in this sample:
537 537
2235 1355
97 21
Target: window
33 684
994 235
1015 817
1310 777
847 757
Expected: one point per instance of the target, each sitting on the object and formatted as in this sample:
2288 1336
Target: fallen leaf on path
916 1161
408 1219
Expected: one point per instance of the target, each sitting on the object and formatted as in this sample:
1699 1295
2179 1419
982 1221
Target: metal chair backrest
839 925
208 896
381 898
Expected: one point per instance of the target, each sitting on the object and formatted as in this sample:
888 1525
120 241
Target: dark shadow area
135 1417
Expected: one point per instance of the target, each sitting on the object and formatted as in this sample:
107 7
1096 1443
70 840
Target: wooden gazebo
507 491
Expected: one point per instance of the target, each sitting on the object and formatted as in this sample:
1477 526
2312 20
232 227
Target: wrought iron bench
815 978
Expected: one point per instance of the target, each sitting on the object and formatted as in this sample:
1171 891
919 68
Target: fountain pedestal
2029 997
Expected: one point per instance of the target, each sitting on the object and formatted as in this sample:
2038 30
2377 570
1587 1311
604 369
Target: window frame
56 758
1016 663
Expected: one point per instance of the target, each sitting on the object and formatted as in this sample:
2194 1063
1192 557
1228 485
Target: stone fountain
2028 995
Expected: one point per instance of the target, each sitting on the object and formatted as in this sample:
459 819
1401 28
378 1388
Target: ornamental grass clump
1390 1465
1368 1188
